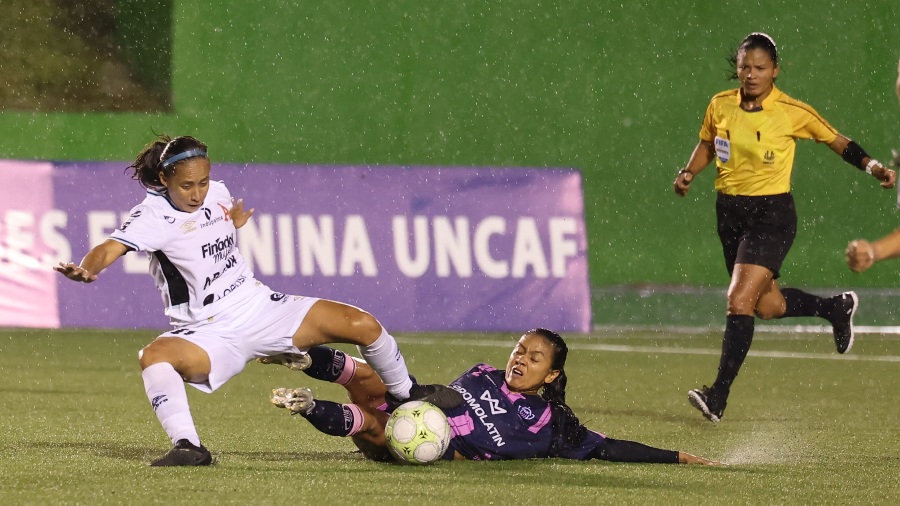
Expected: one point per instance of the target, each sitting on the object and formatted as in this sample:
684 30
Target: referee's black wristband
854 155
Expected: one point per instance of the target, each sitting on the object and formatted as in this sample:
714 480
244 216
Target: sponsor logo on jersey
130 219
225 211
219 249
169 219
189 226
229 263
769 158
494 404
207 212
476 409
276 296
209 299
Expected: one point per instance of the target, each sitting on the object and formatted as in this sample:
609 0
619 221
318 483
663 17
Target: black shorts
756 230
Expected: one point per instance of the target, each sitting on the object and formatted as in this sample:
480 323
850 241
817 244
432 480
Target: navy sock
327 363
735 345
332 418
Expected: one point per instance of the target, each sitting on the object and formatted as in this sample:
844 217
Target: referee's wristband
871 165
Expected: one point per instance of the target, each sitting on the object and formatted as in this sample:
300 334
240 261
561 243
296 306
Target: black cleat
710 405
184 454
441 396
841 318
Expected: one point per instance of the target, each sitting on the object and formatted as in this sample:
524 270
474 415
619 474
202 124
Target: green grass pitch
803 426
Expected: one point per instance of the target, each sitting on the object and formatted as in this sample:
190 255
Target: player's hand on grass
687 458
75 273
238 215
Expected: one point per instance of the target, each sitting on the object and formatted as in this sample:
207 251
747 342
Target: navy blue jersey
496 424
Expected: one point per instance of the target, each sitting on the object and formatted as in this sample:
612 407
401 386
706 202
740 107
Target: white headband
766 35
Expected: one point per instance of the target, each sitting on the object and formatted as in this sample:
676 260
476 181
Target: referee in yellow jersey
751 133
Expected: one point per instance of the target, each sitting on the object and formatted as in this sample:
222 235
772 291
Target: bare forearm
701 157
887 247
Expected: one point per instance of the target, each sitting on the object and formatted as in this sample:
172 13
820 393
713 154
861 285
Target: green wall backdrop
616 89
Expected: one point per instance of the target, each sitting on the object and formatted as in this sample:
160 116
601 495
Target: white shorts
264 325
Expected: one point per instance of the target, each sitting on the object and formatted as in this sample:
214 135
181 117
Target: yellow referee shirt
755 149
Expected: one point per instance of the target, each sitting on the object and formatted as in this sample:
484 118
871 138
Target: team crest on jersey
526 413
723 149
169 219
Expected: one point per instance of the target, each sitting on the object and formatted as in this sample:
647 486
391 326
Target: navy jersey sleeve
572 440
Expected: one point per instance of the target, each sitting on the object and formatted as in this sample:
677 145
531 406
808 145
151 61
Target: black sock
332 418
327 363
735 345
800 303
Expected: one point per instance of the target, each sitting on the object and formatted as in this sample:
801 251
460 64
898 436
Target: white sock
167 395
384 356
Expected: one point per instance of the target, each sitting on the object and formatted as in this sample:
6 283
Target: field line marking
672 350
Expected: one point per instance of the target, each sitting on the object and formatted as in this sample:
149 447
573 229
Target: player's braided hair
149 162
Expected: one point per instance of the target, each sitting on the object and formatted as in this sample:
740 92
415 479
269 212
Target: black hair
756 40
555 391
150 161
567 429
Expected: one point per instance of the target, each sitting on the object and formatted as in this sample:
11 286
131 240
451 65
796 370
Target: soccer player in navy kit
516 413
751 133
222 316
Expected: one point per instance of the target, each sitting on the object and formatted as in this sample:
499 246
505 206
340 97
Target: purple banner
421 248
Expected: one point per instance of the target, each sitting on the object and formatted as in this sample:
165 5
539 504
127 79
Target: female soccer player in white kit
222 316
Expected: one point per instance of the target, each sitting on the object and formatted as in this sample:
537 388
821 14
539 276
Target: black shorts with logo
756 230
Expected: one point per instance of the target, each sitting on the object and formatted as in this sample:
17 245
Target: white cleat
293 361
296 400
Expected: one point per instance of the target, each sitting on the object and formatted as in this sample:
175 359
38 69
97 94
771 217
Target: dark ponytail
567 429
151 160
555 391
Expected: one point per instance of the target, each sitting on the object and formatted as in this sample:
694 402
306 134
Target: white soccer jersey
193 256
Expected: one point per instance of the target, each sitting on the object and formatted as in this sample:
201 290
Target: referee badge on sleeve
723 149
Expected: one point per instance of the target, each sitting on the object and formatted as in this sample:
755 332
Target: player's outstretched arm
99 258
862 254
687 458
854 155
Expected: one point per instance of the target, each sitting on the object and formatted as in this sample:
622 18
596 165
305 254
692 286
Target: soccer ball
417 432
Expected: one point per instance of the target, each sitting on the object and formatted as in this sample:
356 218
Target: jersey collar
767 102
